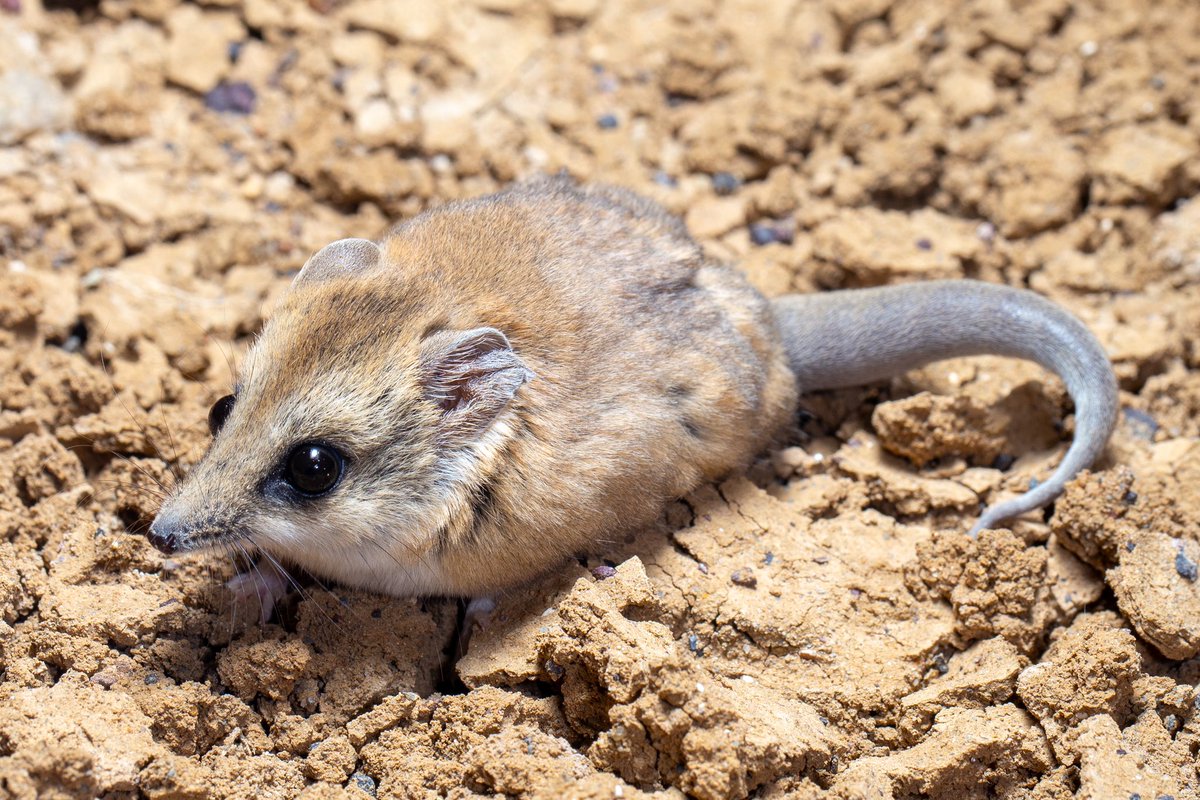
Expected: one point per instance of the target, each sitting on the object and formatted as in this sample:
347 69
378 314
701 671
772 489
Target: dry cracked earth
817 627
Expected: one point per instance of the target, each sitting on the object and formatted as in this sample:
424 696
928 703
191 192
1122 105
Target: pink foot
265 583
478 615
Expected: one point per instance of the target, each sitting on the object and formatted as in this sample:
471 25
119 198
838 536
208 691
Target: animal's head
358 419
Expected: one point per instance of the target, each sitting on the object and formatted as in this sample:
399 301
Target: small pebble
1186 567
1130 547
1129 498
924 244
235 97
1003 462
986 232
1141 424
104 679
724 183
694 643
664 179
364 782
762 234
607 121
150 679
769 558
603 572
744 577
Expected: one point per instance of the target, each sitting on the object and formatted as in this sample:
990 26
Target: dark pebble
1130 547
607 121
725 183
234 52
603 572
924 244
663 179
235 97
744 577
150 679
1186 567
1141 424
1003 461
694 643
364 782
762 234
769 558
1129 498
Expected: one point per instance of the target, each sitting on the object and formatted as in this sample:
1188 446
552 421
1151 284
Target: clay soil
817 627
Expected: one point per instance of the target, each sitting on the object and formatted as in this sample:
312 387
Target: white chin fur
352 558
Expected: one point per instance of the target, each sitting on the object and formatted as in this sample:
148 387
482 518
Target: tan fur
654 370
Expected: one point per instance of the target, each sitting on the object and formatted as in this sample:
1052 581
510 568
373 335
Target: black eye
219 413
312 468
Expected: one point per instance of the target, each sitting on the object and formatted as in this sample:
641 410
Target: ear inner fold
471 376
343 258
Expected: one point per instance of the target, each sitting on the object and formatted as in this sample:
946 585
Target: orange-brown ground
818 627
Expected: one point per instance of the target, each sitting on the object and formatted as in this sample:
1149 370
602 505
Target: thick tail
848 338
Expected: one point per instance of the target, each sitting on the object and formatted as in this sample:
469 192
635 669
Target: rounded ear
471 376
341 259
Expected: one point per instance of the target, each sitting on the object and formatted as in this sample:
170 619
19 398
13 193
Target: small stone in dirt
236 97
762 234
662 178
1130 498
744 577
1141 424
364 782
924 244
986 232
603 572
1185 566
1003 461
725 183
607 121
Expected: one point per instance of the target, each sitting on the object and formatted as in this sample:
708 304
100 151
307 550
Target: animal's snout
164 534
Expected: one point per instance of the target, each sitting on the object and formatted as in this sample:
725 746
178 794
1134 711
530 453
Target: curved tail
847 338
